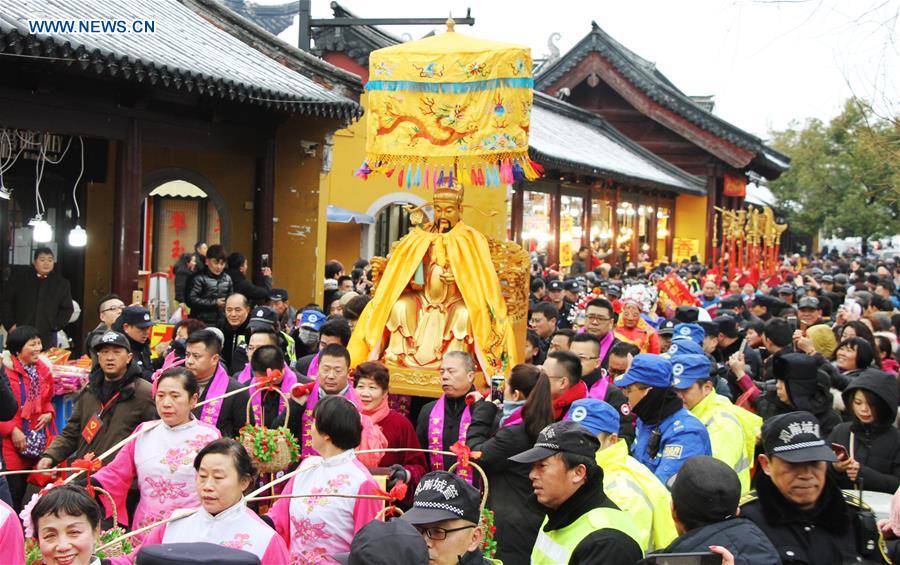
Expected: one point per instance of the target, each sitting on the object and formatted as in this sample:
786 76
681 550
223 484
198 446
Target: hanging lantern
78 237
449 108
41 230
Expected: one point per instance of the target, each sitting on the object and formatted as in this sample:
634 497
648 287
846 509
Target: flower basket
272 449
33 551
489 544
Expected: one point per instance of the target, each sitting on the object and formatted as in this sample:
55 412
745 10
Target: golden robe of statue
439 292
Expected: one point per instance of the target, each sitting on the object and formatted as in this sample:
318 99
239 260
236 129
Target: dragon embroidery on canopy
445 118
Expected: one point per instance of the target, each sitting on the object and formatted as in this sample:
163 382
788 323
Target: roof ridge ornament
451 24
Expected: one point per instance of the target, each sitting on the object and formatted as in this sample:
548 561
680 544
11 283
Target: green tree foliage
845 175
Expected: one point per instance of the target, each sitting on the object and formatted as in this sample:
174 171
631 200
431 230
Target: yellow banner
684 248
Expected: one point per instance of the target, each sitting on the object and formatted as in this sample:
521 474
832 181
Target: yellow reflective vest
557 546
636 491
732 432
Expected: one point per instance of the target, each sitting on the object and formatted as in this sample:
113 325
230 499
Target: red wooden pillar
635 231
126 211
712 194
264 209
556 225
614 204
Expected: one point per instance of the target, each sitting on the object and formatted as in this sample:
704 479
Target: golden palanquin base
423 382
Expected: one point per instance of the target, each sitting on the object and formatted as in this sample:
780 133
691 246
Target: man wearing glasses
446 511
109 309
599 320
600 386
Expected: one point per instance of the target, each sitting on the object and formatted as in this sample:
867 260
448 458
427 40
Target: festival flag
677 291
449 108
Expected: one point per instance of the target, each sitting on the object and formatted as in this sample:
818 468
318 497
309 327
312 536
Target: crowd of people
726 424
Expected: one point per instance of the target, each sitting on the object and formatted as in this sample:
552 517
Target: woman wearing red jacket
370 380
32 386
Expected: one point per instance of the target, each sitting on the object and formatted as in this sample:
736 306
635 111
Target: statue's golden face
447 213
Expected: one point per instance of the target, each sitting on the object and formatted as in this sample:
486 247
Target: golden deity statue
430 318
445 287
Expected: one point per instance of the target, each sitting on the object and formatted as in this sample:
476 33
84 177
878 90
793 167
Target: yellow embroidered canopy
449 108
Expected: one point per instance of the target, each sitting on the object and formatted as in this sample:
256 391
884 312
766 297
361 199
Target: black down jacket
740 536
204 289
876 445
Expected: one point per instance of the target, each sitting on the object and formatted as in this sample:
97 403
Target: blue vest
683 436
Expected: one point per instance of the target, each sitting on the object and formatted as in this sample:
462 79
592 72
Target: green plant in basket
488 544
265 442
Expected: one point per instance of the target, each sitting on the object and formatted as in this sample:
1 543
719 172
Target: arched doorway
391 222
180 209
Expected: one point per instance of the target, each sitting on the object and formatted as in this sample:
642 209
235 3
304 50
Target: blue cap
648 369
683 347
594 415
688 369
312 319
694 332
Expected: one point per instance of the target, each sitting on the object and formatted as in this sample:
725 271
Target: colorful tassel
408 176
427 176
417 179
400 178
450 178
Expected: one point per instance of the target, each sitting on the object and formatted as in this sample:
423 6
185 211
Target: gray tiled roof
644 75
195 47
566 136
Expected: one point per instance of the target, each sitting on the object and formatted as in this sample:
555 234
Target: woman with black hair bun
316 527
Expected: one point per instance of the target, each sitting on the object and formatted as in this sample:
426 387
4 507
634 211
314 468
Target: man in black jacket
38 296
800 508
202 358
234 329
705 498
582 525
237 270
208 289
587 348
457 374
134 323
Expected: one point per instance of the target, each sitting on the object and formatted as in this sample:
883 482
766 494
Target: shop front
616 226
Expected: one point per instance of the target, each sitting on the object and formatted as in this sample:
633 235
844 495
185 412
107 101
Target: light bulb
77 237
43 233
5 193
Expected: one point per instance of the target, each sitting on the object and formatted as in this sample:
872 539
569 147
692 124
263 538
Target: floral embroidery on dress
163 489
200 442
176 457
305 531
240 541
313 556
333 487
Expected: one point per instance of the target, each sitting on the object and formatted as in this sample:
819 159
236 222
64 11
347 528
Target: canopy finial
450 23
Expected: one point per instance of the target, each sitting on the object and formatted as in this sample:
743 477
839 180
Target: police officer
557 297
731 442
632 486
667 434
800 507
582 524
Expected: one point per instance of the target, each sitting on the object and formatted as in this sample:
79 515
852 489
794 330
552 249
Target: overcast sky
767 62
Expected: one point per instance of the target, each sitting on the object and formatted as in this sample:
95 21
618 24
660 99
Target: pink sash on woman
436 437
